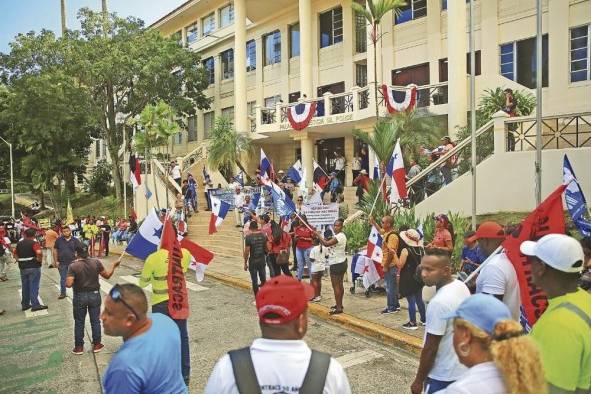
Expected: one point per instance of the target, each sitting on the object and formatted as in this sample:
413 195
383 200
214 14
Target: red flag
201 257
547 218
178 299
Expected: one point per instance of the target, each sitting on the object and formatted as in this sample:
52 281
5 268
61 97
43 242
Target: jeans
257 268
414 301
63 274
162 307
391 288
433 385
303 256
86 301
30 279
276 269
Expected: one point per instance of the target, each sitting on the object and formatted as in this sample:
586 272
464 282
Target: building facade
265 55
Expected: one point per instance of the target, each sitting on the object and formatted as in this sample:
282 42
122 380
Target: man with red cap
280 359
498 276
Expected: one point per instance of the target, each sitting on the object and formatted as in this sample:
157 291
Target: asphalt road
35 349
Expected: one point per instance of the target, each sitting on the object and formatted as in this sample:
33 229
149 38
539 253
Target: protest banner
321 215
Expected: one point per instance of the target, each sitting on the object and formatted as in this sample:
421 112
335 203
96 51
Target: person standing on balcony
339 167
175 172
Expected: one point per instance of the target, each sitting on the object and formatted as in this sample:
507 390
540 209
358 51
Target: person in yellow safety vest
155 272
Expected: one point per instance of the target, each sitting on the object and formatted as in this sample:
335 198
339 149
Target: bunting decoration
299 115
408 104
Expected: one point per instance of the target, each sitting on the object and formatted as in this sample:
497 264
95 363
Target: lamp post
11 175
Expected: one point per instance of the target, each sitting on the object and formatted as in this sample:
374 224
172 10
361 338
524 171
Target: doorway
325 152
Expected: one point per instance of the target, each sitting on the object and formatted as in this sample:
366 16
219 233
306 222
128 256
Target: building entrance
326 152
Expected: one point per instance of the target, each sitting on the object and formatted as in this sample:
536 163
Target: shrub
100 181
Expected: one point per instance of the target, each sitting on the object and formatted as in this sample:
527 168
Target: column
307 147
434 38
348 44
456 65
386 59
240 110
489 12
260 92
284 85
558 47
306 87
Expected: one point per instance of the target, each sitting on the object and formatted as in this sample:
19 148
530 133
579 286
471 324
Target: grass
87 204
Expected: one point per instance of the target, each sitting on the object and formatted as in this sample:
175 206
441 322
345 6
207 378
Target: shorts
318 267
339 268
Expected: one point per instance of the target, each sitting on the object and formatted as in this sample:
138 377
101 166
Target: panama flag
200 257
147 239
321 180
134 172
265 166
296 172
575 200
299 115
395 169
219 210
284 205
374 245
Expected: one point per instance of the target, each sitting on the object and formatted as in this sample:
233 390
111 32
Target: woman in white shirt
501 360
337 261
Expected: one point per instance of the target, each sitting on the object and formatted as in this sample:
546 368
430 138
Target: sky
22 16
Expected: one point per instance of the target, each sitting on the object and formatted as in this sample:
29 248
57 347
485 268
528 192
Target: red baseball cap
490 230
284 297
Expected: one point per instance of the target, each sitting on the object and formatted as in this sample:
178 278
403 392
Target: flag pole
124 177
479 268
377 195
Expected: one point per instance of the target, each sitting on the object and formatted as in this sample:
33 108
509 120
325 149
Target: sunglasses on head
115 294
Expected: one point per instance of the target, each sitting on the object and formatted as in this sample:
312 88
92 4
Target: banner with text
320 215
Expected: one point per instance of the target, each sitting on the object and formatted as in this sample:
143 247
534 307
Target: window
226 15
271 102
360 31
413 9
250 111
251 55
208 24
227 58
272 43
443 66
294 40
228 113
177 139
293 97
579 53
207 123
178 37
419 75
331 27
518 61
208 65
192 128
444 4
191 33
361 75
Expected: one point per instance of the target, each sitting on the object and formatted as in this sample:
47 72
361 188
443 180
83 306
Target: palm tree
375 11
63 12
227 146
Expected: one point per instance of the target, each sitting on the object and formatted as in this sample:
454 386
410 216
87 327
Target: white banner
319 215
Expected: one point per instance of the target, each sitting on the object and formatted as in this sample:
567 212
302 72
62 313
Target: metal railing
363 97
341 103
558 132
268 115
194 156
427 95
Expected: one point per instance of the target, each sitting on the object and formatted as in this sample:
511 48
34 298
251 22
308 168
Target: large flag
296 172
240 178
219 210
201 257
284 205
321 180
266 167
178 298
370 270
395 170
575 200
374 245
147 239
134 172
547 218
69 213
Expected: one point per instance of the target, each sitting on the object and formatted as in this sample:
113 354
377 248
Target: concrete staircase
225 243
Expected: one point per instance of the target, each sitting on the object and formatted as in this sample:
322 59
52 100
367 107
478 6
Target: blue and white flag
265 166
147 191
296 172
240 178
147 239
575 200
284 205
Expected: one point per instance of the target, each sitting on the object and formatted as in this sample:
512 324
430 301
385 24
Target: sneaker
25 308
78 350
97 347
422 323
254 303
39 308
316 299
388 311
61 297
410 326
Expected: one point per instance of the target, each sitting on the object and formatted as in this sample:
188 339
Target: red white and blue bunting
299 115
409 102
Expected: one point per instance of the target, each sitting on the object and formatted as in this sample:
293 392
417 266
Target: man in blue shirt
471 256
148 360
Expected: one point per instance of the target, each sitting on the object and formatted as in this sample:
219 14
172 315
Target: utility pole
64 21
538 165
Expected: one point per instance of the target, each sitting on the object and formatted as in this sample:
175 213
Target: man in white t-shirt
498 276
238 205
280 361
175 172
439 365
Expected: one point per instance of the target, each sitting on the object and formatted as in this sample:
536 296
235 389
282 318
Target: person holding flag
389 262
165 269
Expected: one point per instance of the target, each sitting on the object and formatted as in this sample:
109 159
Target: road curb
367 328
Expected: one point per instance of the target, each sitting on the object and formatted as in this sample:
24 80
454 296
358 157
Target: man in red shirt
28 255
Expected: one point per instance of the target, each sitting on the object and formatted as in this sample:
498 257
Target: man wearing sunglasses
148 360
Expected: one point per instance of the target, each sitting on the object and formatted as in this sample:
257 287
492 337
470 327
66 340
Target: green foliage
157 124
367 201
227 146
99 182
357 232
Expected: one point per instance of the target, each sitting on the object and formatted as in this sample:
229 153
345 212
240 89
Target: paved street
35 347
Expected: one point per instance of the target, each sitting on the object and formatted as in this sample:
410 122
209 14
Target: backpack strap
316 374
577 311
244 373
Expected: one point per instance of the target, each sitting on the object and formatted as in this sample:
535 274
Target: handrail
421 87
197 152
528 118
166 176
449 154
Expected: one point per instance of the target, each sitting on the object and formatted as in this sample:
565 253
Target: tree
375 11
227 146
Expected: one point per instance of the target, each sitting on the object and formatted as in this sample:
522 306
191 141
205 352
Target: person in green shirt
563 332
155 272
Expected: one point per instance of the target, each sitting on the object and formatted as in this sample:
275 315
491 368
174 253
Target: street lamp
11 175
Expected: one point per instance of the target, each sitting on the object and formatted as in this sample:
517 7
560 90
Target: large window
331 27
251 55
518 61
227 58
191 33
207 124
294 40
192 128
271 102
419 75
413 9
208 24
443 66
361 75
177 138
360 31
272 42
208 65
226 15
579 53
178 37
228 113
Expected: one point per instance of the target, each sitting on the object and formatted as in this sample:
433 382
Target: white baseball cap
559 251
